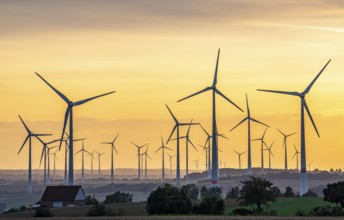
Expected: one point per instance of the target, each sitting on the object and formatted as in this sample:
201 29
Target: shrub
242 211
210 206
118 197
233 193
191 191
91 201
211 192
168 200
289 192
310 194
43 212
334 193
99 210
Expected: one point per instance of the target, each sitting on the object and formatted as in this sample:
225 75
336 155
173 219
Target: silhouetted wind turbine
45 144
69 114
196 162
270 153
112 148
262 143
297 157
162 148
187 141
176 127
302 95
55 158
99 155
215 170
249 119
82 150
239 155
206 155
48 153
28 137
171 162
92 158
285 148
309 166
146 155
138 157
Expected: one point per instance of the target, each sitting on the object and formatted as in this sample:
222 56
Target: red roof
61 193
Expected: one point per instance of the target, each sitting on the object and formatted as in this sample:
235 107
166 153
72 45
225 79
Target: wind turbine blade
27 129
236 151
187 133
78 152
264 133
89 99
115 149
259 122
87 152
242 121
106 142
27 137
281 132
204 130
51 142
186 124
216 68
174 128
294 156
247 106
148 156
225 97
295 148
65 123
158 149
167 148
162 141
115 138
57 92
174 118
43 152
53 147
257 139
36 135
315 79
192 144
223 136
280 92
134 144
291 134
310 116
196 93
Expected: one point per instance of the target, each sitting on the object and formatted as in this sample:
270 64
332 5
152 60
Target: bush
334 193
191 191
168 200
210 206
43 212
233 193
99 210
118 197
91 201
310 194
11 210
242 211
300 212
289 192
211 192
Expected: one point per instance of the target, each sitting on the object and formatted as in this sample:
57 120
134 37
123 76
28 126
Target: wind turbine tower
112 149
285 136
162 148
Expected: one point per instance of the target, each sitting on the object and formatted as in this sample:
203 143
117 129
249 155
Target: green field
289 206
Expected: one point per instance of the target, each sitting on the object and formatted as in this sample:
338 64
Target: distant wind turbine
196 162
270 153
82 150
249 119
262 143
28 137
170 160
146 155
138 157
302 95
285 148
215 163
92 158
176 127
55 158
99 155
48 154
309 166
297 157
69 114
239 157
112 148
162 148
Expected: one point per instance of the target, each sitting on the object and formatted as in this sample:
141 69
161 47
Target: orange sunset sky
156 52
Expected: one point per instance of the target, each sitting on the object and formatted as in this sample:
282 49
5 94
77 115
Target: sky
155 52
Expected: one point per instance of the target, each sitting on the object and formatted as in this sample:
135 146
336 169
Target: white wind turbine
138 158
297 157
99 155
270 153
112 149
239 157
285 136
69 114
162 148
262 143
302 96
82 150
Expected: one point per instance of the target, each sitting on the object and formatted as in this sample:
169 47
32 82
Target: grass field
289 206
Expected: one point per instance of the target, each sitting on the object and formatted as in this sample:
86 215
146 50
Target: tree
211 192
43 212
289 192
310 194
210 206
191 191
99 210
204 191
233 193
91 200
277 191
118 197
168 200
256 191
334 193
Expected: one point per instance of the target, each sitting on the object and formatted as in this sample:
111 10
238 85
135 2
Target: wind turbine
302 96
138 157
285 147
48 153
262 143
45 144
206 155
171 162
196 162
112 148
69 114
309 166
215 170
187 141
297 157
270 154
146 155
249 119
99 155
82 150
54 162
92 158
239 155
176 127
162 148
28 137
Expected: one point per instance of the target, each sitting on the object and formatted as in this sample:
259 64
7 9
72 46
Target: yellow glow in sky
156 52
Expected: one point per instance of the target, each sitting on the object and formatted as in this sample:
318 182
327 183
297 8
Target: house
63 196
